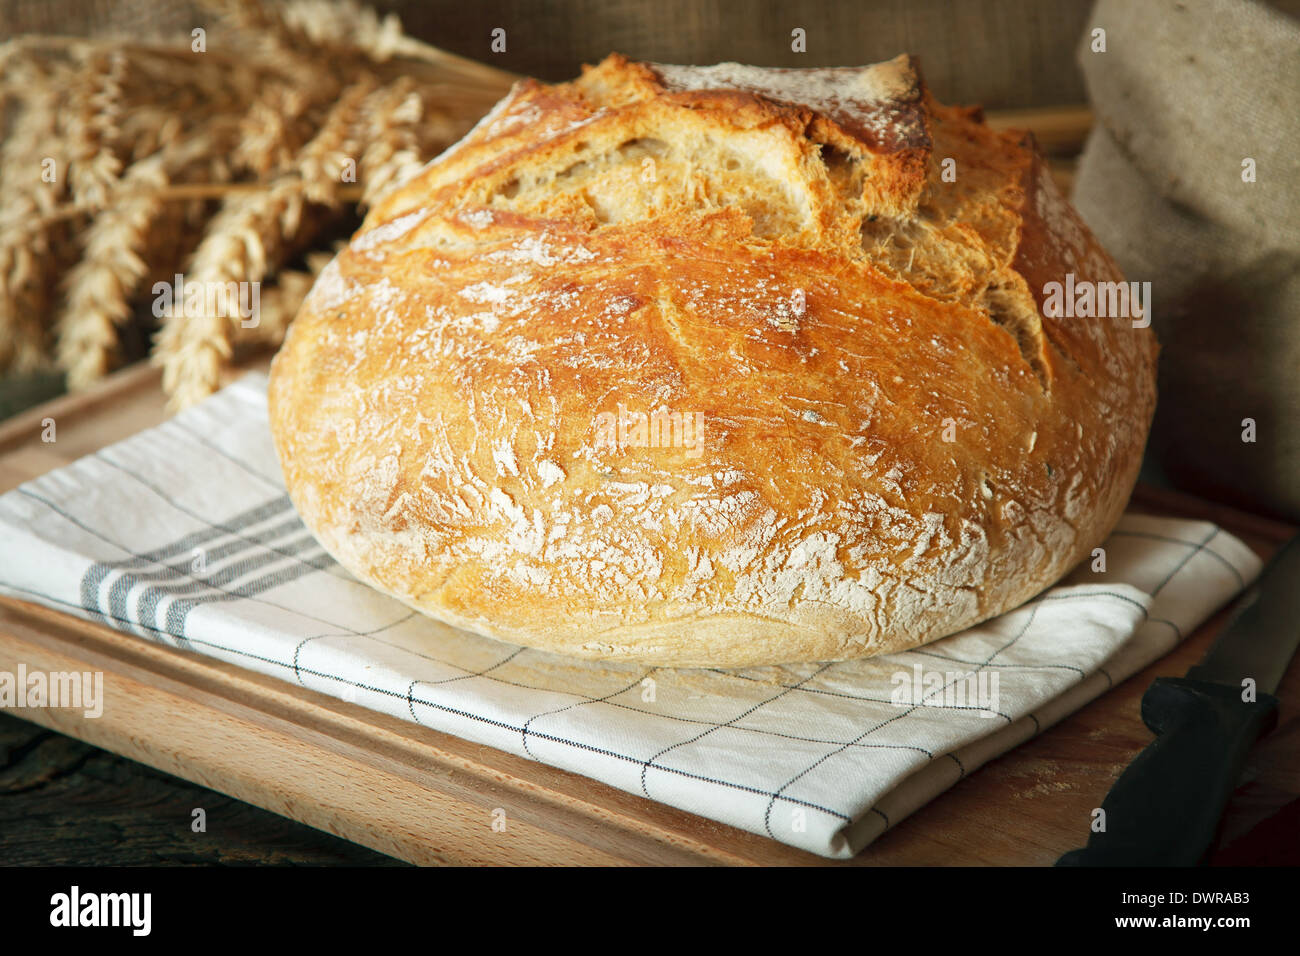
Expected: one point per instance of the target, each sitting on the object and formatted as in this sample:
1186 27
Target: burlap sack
1001 53
1186 90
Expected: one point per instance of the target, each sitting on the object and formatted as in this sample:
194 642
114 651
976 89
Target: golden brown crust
777 252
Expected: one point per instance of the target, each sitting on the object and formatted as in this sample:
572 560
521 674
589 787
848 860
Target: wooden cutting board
430 798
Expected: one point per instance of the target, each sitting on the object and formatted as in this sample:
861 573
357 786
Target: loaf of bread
715 366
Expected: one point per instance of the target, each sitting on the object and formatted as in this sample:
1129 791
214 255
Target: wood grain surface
425 797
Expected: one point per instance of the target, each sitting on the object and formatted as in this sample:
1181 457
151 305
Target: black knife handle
1165 807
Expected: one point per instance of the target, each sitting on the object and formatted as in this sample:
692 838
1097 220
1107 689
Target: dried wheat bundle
93 132
118 253
400 137
246 241
30 150
125 164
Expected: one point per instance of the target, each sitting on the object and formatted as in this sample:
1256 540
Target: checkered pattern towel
183 534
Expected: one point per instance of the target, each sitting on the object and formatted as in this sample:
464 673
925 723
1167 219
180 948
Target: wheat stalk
281 301
25 242
310 28
394 151
94 166
245 241
102 285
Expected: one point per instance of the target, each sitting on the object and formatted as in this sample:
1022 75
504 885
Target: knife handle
1165 807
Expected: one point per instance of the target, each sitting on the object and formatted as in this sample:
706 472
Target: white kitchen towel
183 534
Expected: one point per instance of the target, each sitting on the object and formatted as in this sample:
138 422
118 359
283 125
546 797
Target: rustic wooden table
64 803
425 797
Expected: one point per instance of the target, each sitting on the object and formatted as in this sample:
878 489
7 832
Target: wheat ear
245 241
115 245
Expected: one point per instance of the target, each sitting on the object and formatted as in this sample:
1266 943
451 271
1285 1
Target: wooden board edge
1059 130
1170 501
26 425
308 737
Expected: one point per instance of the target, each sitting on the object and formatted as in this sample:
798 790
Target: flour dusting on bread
714 366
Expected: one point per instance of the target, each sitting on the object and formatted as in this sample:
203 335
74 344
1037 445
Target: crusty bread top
777 250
